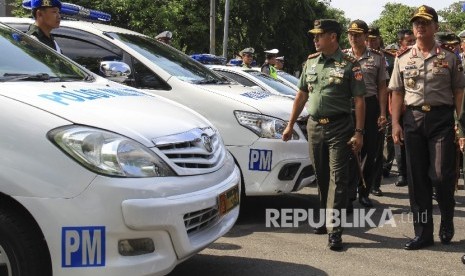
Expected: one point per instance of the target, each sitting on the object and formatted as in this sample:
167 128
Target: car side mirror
115 70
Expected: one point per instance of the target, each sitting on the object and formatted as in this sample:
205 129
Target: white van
98 178
251 122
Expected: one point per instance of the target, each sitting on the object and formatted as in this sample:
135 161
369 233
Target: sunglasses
422 22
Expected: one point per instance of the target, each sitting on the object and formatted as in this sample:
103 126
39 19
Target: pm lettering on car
260 160
83 246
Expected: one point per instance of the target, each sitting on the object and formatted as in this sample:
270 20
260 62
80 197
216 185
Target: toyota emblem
207 143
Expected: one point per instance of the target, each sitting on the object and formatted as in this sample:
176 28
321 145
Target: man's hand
382 122
356 142
397 134
287 134
461 144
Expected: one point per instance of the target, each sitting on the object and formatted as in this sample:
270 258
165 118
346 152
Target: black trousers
371 151
430 153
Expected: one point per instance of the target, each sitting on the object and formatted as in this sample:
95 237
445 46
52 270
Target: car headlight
108 153
262 125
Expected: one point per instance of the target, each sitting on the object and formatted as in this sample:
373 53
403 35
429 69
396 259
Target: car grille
198 149
199 220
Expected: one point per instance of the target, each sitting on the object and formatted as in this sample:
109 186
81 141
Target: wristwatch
360 130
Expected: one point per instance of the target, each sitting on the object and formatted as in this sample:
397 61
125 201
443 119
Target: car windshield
275 84
290 78
169 59
25 59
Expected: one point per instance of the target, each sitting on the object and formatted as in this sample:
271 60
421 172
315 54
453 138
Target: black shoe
365 201
463 259
335 241
446 232
401 182
320 230
377 192
418 243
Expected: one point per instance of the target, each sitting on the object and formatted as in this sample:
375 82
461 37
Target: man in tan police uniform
429 79
373 67
328 82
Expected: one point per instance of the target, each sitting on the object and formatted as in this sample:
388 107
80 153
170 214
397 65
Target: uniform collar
366 53
415 52
36 29
337 56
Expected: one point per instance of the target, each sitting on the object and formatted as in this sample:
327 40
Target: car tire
23 250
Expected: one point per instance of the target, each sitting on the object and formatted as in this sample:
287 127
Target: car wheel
23 251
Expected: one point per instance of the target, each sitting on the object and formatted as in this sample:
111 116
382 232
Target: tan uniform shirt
373 68
429 80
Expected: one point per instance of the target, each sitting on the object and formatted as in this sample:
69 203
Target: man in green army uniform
329 81
47 17
247 57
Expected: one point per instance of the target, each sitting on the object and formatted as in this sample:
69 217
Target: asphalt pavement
251 248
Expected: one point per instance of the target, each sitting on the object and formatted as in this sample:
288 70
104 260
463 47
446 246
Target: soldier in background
247 57
279 65
47 17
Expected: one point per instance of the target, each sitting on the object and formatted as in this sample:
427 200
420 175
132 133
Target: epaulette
376 51
314 55
447 47
389 53
349 58
402 52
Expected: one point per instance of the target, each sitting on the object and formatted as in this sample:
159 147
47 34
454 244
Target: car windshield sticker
82 95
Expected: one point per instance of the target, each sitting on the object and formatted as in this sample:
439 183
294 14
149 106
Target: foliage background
261 24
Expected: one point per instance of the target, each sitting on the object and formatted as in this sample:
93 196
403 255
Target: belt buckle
426 108
323 121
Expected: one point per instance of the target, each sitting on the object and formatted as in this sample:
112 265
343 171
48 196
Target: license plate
228 200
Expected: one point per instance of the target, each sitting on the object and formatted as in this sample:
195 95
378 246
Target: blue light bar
76 11
209 59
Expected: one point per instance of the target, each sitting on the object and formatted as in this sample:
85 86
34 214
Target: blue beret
45 3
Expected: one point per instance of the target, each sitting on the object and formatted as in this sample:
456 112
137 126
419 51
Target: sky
370 10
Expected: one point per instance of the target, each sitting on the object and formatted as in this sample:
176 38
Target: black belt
329 119
428 108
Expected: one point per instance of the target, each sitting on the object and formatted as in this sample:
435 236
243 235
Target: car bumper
271 166
126 209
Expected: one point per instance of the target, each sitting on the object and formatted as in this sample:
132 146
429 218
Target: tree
453 17
394 18
262 24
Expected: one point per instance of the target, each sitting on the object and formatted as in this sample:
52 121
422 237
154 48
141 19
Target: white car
98 178
254 78
288 79
250 122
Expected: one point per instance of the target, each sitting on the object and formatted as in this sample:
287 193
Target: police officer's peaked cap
325 25
447 38
358 26
249 50
272 51
280 58
425 12
165 34
35 4
462 35
373 32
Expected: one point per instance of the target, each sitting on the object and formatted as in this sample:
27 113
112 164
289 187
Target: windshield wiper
32 77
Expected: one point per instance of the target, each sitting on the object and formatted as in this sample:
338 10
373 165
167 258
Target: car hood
108 106
263 101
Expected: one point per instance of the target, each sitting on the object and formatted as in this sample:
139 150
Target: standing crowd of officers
355 96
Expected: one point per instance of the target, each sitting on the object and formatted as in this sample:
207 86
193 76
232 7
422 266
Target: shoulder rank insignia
447 47
389 53
349 58
376 51
314 55
402 52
